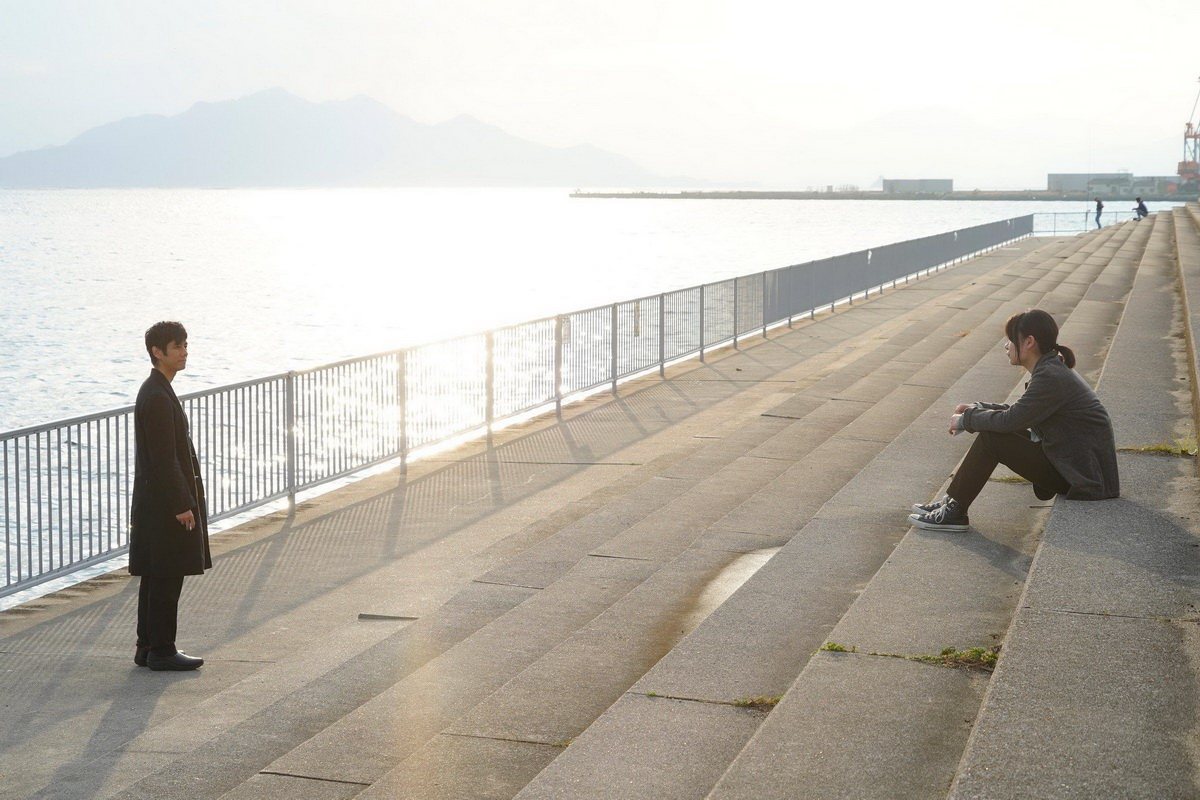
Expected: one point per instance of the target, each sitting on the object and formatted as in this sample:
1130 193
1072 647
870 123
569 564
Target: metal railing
1054 223
65 486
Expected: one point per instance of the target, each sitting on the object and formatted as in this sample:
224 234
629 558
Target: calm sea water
271 280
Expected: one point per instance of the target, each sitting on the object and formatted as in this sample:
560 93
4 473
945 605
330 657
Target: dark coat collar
1045 359
162 379
1036 366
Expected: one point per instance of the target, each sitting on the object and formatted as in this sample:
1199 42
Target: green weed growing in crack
981 658
834 647
1009 479
651 694
1184 446
762 703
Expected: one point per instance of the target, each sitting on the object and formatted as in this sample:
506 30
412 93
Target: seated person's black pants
158 608
1015 451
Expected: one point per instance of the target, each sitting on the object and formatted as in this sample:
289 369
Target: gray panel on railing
773 295
890 259
943 249
800 291
882 261
823 278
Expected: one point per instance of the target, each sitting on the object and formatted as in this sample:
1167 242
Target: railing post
662 336
764 303
402 400
702 323
791 295
489 380
735 313
558 361
289 422
614 348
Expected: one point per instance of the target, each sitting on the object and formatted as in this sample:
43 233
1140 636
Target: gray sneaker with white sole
949 516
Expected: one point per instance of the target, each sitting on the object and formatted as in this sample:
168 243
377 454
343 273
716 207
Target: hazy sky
781 93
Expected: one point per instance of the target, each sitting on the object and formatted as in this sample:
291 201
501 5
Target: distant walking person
1099 209
1058 435
168 535
1141 209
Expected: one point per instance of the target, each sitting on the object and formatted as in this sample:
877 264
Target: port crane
1189 167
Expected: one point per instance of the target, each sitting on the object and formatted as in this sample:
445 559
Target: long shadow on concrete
58 673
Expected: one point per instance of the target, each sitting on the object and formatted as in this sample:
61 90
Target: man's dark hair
161 334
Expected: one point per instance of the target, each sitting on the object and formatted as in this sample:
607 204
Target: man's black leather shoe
177 661
139 655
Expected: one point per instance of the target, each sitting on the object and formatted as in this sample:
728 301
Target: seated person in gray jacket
1058 435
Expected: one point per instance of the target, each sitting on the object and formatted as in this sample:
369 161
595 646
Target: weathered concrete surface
1098 676
1187 248
758 640
934 591
459 553
1122 726
863 726
544 703
678 750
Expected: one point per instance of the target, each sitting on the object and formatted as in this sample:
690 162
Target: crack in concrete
503 739
623 558
312 778
656 696
514 585
1118 616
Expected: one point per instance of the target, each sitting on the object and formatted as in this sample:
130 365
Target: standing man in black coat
168 535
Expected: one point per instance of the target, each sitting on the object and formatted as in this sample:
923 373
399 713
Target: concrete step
724 659
469 722
324 748
442 558
326 758
935 591
1095 677
1187 249
274 639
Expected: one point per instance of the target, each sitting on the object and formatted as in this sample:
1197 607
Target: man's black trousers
158 608
1015 451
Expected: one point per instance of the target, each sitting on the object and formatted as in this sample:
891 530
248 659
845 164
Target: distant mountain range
274 138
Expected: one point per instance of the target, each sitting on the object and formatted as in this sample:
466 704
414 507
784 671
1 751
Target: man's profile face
174 357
